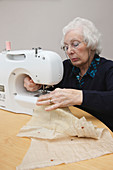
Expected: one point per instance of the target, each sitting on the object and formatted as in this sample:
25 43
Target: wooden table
13 148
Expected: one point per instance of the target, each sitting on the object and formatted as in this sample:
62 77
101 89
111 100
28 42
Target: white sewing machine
44 67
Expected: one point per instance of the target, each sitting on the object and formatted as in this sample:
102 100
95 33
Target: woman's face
76 49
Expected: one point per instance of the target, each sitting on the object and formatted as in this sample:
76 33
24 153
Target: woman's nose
70 49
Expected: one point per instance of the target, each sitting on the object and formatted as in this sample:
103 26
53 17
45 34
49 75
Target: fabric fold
58 123
59 137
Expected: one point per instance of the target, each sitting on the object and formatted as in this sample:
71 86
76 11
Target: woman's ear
91 52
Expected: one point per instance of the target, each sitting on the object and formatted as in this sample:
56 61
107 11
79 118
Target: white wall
34 23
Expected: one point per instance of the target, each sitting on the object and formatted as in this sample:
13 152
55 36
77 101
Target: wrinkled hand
61 98
30 85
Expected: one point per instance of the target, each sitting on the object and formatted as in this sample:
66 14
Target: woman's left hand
61 98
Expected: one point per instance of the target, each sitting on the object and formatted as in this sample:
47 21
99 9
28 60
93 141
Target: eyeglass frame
71 45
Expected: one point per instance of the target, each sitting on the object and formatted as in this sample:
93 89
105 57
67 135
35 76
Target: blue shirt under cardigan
97 86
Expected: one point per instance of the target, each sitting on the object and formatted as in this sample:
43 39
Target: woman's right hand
30 85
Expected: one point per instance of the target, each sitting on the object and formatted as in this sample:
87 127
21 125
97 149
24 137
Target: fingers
61 98
30 85
44 102
50 99
44 97
52 95
52 107
31 81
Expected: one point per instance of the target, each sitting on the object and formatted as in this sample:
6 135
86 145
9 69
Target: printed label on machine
2 96
2 89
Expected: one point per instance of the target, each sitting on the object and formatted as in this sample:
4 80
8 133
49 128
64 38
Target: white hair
90 33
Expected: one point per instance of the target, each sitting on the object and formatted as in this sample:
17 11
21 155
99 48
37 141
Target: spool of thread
8 45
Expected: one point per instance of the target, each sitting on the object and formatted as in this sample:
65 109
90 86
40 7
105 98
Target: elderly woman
88 78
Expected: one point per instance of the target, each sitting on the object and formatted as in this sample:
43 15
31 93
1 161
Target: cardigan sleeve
101 101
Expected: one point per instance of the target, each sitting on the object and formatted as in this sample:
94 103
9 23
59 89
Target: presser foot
41 92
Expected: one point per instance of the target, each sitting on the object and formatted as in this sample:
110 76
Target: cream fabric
58 123
54 142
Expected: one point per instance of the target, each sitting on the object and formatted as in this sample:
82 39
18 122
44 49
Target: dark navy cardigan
97 89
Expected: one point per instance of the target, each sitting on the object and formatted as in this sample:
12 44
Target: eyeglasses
74 45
